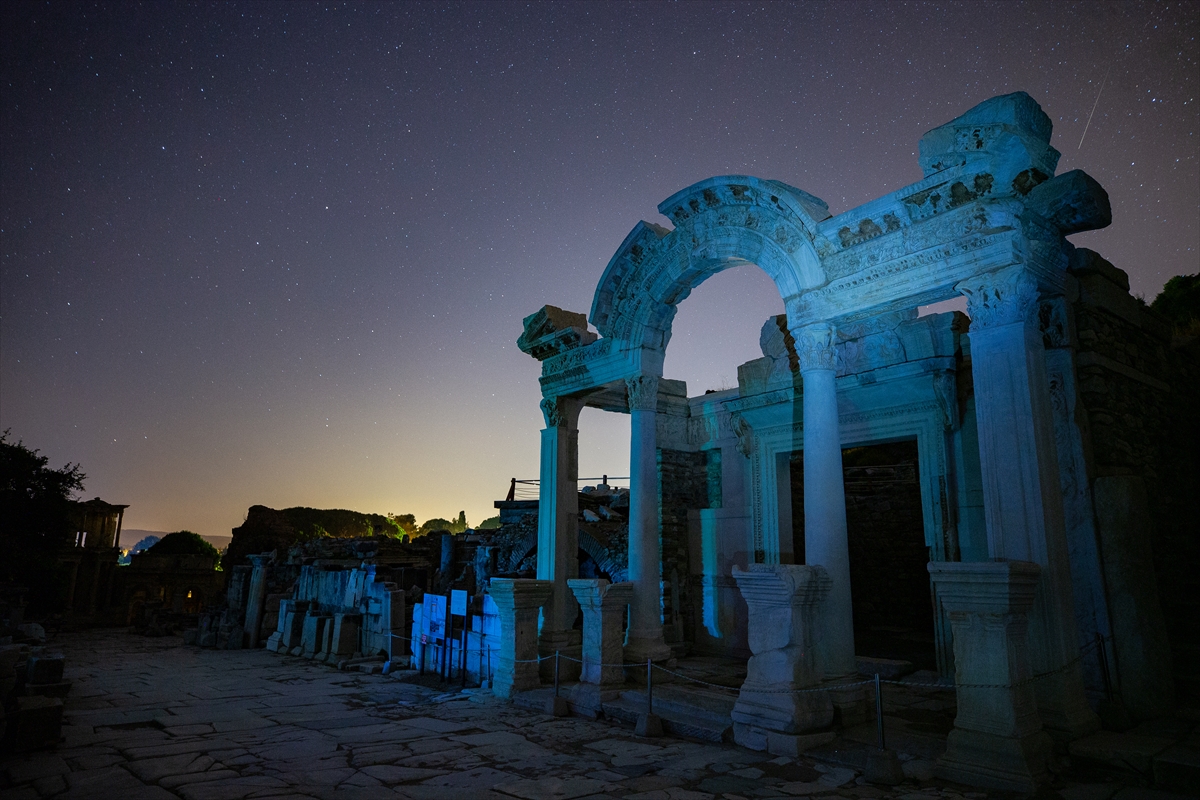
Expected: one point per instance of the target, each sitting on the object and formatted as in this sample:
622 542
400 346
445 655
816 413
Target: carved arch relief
720 223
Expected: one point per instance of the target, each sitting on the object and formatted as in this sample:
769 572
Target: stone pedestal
997 739
603 605
783 601
519 602
825 538
645 639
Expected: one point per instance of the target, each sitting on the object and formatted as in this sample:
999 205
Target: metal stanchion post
879 710
556 673
649 686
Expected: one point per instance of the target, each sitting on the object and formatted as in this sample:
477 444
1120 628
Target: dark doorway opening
889 582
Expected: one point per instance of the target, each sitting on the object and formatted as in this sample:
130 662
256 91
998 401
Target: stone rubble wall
1137 389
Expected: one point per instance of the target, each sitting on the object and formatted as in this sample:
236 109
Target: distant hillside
131 536
267 529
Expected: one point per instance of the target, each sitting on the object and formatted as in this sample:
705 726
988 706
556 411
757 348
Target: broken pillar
783 600
256 597
519 602
997 739
290 630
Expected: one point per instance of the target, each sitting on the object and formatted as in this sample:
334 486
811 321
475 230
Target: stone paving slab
153 719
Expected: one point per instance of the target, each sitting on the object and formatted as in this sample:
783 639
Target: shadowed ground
151 718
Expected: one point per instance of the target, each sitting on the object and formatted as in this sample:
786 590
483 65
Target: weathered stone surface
603 606
997 738
783 600
517 657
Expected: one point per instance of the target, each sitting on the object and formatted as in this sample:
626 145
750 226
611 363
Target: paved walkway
151 718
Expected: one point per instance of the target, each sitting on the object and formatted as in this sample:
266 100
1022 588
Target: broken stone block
45 669
60 689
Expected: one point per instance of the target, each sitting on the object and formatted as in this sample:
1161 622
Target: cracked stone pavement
153 719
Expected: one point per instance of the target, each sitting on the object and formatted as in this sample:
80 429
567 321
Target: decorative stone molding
997 739
553 411
643 392
744 434
1000 298
945 387
782 601
815 347
518 602
603 606
552 331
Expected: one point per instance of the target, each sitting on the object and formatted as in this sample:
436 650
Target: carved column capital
643 392
553 411
1000 298
815 347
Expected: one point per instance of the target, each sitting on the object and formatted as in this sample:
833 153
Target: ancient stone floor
152 718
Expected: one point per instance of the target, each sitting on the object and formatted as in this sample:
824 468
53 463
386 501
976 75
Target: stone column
519 602
782 601
645 638
1022 493
997 739
558 527
825 541
603 605
255 602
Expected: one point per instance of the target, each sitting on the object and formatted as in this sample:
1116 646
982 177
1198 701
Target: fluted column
645 637
825 541
1022 494
558 523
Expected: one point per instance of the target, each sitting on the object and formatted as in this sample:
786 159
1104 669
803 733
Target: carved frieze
744 433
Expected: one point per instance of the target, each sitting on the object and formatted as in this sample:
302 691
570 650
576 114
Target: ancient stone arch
988 222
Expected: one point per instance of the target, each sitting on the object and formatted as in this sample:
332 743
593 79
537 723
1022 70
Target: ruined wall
686 480
1137 391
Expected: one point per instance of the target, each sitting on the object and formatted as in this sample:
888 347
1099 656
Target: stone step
697 714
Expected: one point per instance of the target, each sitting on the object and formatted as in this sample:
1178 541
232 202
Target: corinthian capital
999 298
554 412
643 392
815 347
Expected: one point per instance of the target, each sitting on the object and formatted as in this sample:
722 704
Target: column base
1063 708
852 705
638 649
784 713
568 644
997 762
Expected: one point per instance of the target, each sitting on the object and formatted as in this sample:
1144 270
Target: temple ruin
1021 544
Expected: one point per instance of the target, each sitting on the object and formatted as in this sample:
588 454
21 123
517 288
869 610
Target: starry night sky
279 253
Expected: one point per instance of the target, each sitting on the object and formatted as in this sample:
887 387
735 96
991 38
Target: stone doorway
889 582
